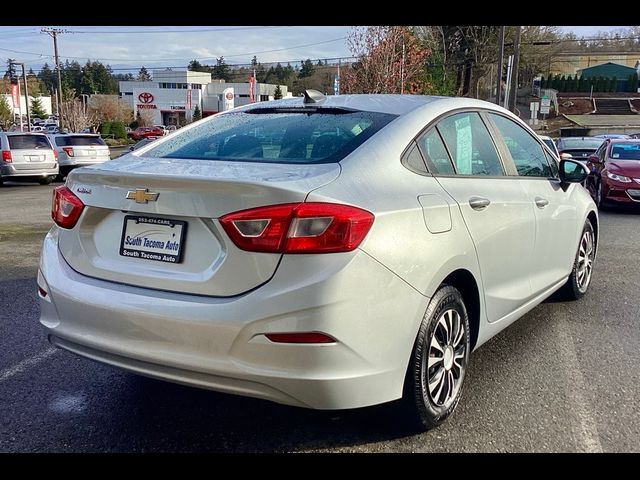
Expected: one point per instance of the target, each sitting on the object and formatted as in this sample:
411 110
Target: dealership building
173 95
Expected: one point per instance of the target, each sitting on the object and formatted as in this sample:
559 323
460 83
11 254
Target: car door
495 209
555 211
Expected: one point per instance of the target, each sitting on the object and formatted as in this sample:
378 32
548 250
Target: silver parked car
27 156
79 150
328 253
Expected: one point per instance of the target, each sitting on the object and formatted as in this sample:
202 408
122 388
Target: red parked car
615 172
146 132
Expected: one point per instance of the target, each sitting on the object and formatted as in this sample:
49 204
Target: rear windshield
28 142
593 143
77 140
622 151
273 136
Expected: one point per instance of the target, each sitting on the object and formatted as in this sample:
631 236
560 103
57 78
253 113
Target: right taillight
66 207
6 156
299 228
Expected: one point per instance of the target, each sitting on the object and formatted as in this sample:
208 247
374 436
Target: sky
125 49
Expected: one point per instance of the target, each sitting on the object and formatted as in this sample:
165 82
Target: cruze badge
142 195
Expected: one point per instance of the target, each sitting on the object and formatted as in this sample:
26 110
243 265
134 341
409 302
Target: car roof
24 133
382 103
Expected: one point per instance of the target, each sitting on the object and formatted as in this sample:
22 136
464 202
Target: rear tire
580 278
438 364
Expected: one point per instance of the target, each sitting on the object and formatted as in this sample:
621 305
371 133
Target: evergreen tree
221 70
37 110
47 77
307 69
11 69
196 66
634 83
277 95
143 75
254 61
197 114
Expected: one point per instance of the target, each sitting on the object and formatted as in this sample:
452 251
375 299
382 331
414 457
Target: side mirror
572 171
565 156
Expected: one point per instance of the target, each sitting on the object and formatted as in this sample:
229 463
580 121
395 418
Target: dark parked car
578 148
146 132
615 172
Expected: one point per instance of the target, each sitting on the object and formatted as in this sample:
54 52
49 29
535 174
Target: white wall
45 101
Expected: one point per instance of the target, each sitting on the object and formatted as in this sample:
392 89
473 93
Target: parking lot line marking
26 363
587 430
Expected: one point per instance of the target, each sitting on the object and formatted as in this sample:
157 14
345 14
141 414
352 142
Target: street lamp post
26 93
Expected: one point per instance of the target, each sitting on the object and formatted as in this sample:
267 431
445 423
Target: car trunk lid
180 244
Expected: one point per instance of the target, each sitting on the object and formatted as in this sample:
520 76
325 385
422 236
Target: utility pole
54 32
513 94
26 95
500 55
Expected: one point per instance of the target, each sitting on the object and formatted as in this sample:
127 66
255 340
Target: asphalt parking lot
564 378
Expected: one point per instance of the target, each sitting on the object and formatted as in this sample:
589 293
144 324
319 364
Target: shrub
118 130
105 128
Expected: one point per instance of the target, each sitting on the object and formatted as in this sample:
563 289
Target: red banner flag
252 86
15 95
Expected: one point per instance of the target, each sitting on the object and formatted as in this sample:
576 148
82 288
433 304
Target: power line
199 30
70 57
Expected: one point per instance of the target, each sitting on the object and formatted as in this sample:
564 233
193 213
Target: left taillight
67 150
6 156
312 227
66 207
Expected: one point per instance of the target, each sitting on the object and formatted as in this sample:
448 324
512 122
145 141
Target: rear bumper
219 343
8 170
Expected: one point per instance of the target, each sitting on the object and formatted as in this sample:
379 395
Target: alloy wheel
444 369
586 254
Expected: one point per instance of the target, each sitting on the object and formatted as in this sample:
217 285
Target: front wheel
439 361
580 278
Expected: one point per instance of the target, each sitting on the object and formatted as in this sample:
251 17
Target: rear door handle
479 203
541 202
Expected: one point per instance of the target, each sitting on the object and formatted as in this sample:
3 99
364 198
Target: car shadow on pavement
202 420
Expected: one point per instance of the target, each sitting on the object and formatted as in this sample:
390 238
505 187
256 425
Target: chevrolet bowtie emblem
142 195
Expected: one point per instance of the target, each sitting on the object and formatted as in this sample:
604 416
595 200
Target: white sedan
328 253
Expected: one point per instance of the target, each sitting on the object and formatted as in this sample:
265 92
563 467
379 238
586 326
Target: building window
242 95
264 98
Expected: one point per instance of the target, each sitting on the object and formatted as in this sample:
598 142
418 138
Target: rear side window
526 152
470 145
435 153
273 136
77 140
28 142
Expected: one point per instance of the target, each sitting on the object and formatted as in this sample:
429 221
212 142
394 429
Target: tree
37 110
633 83
75 116
379 53
254 61
277 95
47 77
307 69
143 75
196 66
111 108
197 114
6 117
145 118
11 71
221 70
